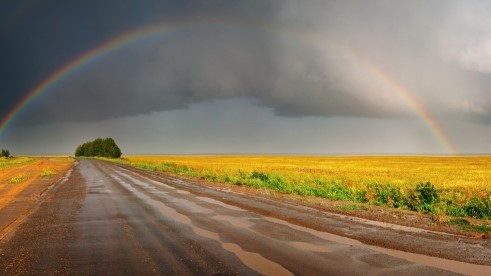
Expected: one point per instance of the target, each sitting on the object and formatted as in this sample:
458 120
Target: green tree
4 153
111 149
106 147
79 151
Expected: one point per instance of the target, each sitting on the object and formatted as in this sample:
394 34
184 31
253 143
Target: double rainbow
167 28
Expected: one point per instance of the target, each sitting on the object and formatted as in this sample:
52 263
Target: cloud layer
343 59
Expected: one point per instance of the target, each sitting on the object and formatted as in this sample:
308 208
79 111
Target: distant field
456 186
10 162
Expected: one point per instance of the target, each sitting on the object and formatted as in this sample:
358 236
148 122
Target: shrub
4 153
478 208
259 175
456 211
423 197
99 147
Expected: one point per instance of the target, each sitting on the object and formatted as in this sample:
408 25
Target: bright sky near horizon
309 77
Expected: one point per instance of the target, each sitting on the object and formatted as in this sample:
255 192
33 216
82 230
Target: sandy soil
17 199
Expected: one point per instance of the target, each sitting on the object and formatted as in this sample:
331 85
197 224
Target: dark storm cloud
346 58
55 32
38 37
205 63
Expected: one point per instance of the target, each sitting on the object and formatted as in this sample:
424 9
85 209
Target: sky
249 77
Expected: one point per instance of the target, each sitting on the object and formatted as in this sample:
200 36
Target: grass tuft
47 172
19 178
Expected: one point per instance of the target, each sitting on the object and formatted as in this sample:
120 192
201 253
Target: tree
99 147
4 153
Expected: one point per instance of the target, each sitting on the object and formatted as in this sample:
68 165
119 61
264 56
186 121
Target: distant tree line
100 147
4 153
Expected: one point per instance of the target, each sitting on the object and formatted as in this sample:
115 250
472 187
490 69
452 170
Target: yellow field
469 173
459 185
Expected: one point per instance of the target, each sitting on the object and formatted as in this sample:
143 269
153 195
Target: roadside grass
467 226
441 186
19 178
47 172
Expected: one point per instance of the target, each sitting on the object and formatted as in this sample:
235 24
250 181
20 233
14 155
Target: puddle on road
235 221
142 184
160 184
146 178
98 189
213 201
320 234
304 246
186 204
253 260
449 265
164 209
190 206
246 223
256 261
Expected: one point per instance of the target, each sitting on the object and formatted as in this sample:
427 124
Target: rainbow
145 32
418 108
85 58
403 93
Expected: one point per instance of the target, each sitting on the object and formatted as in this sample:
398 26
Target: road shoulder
453 246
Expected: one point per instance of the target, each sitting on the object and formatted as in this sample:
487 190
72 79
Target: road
104 218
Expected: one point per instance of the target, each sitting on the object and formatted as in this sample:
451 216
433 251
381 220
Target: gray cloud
360 59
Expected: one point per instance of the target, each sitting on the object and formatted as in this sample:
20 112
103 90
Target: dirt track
110 219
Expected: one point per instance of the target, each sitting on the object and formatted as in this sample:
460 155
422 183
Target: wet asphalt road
108 219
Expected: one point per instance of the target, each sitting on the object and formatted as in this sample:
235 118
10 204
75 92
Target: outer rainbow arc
415 105
401 91
141 33
422 113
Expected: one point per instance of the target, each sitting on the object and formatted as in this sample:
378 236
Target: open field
443 186
21 173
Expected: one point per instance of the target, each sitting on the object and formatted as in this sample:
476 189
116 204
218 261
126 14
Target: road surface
104 218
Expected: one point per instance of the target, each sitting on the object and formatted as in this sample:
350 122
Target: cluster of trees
99 147
4 153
